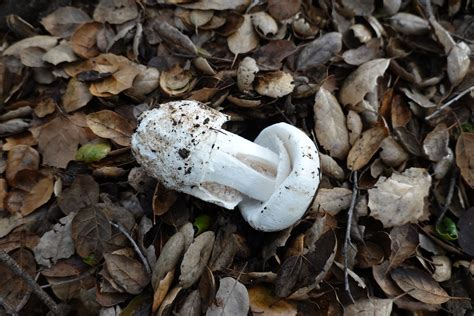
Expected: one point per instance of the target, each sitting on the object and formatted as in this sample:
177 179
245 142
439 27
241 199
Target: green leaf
93 152
201 223
447 229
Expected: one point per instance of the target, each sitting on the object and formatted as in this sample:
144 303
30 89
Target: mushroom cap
298 178
174 144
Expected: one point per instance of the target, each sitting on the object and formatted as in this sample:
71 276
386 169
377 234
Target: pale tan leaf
332 200
366 147
64 21
115 11
41 41
370 307
108 124
244 39
76 96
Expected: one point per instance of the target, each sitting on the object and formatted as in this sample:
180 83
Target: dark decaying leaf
91 231
465 157
404 241
283 9
466 231
319 51
420 285
64 21
83 192
13 290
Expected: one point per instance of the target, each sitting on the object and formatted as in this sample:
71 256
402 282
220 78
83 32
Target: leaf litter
384 89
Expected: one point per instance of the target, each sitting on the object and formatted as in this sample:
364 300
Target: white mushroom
273 179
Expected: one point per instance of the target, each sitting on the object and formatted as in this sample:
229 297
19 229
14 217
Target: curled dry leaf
409 24
244 39
176 81
232 298
21 157
370 307
458 63
38 194
76 96
56 244
332 200
404 241
62 53
195 259
319 51
274 84
420 285
91 231
128 273
84 40
436 143
40 41
400 199
15 292
330 124
465 157
362 81
176 39
109 124
330 167
264 302
64 21
115 11
366 147
393 154
145 82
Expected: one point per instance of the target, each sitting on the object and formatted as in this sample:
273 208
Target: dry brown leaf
436 143
420 285
370 307
392 153
83 192
84 40
32 57
330 167
219 5
366 147
108 124
162 288
332 200
465 157
163 199
176 81
232 298
169 257
115 11
458 63
400 199
62 53
128 273
145 82
362 81
409 24
244 39
330 124
178 42
283 9
64 21
319 51
195 259
264 302
76 96
274 84
41 41
58 140
404 241
21 157
38 195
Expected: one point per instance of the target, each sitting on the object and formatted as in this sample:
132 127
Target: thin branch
16 269
444 106
449 197
134 244
347 240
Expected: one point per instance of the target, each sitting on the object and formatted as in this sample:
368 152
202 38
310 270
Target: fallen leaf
319 51
465 157
362 81
19 239
145 82
330 124
364 53
400 199
108 124
225 248
83 192
365 147
39 194
192 304
163 199
436 143
128 273
178 42
404 241
58 140
458 63
264 302
76 96
409 24
271 55
56 244
332 201
62 53
169 257
32 57
274 84
283 9
40 41
162 288
330 167
420 285
359 7
176 81
93 152
64 21
84 40
244 39
195 259
91 231
232 298
20 157
115 11
466 231
15 292
370 307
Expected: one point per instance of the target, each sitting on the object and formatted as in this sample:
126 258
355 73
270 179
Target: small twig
449 197
134 244
16 269
347 240
444 106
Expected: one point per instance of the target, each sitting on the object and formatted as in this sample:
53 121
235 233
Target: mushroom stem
242 165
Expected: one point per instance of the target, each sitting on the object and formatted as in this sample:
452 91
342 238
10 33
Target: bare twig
134 244
449 197
444 106
16 269
347 240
